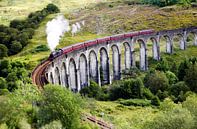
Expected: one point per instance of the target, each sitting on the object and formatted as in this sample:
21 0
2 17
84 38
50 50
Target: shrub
191 77
156 81
155 101
175 89
3 83
182 69
41 48
92 91
178 118
51 8
147 94
59 103
162 94
53 125
136 102
191 105
171 77
16 47
163 65
126 89
3 51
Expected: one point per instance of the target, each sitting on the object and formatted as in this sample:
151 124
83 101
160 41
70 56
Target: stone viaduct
75 69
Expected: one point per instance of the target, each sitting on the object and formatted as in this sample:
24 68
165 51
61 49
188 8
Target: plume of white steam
77 27
55 29
74 29
83 23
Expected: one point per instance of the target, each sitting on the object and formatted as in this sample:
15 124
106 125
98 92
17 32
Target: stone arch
143 56
73 75
64 75
179 42
191 39
104 66
93 66
83 71
127 55
155 49
57 76
51 78
169 45
116 62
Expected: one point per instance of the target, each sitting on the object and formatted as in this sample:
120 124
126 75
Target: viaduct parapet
75 69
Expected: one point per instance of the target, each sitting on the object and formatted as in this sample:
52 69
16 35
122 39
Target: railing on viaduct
75 69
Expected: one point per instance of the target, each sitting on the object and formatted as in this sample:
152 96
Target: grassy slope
122 117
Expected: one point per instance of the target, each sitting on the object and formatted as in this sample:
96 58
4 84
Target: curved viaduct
77 68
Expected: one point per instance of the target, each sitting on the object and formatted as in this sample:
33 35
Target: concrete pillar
133 63
83 71
73 80
104 62
156 49
116 63
183 41
78 80
169 46
128 58
143 56
93 67
63 74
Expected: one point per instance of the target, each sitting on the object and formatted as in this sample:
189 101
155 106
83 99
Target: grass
122 117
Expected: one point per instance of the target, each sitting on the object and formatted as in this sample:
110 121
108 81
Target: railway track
100 123
38 78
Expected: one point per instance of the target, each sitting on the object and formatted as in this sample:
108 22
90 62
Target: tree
3 51
182 69
3 83
171 77
51 8
156 81
15 47
176 89
59 103
191 77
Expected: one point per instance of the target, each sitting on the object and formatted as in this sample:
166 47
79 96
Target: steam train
89 43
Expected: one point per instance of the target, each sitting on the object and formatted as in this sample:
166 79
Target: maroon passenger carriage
90 43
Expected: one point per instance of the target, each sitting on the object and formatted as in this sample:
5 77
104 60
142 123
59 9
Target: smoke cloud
55 29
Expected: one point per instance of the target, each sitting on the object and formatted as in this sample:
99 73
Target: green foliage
156 81
171 77
178 89
41 48
12 72
92 91
191 105
3 83
16 107
191 77
147 94
59 103
3 51
132 88
51 8
178 118
182 69
162 65
16 36
136 102
53 125
155 101
15 47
